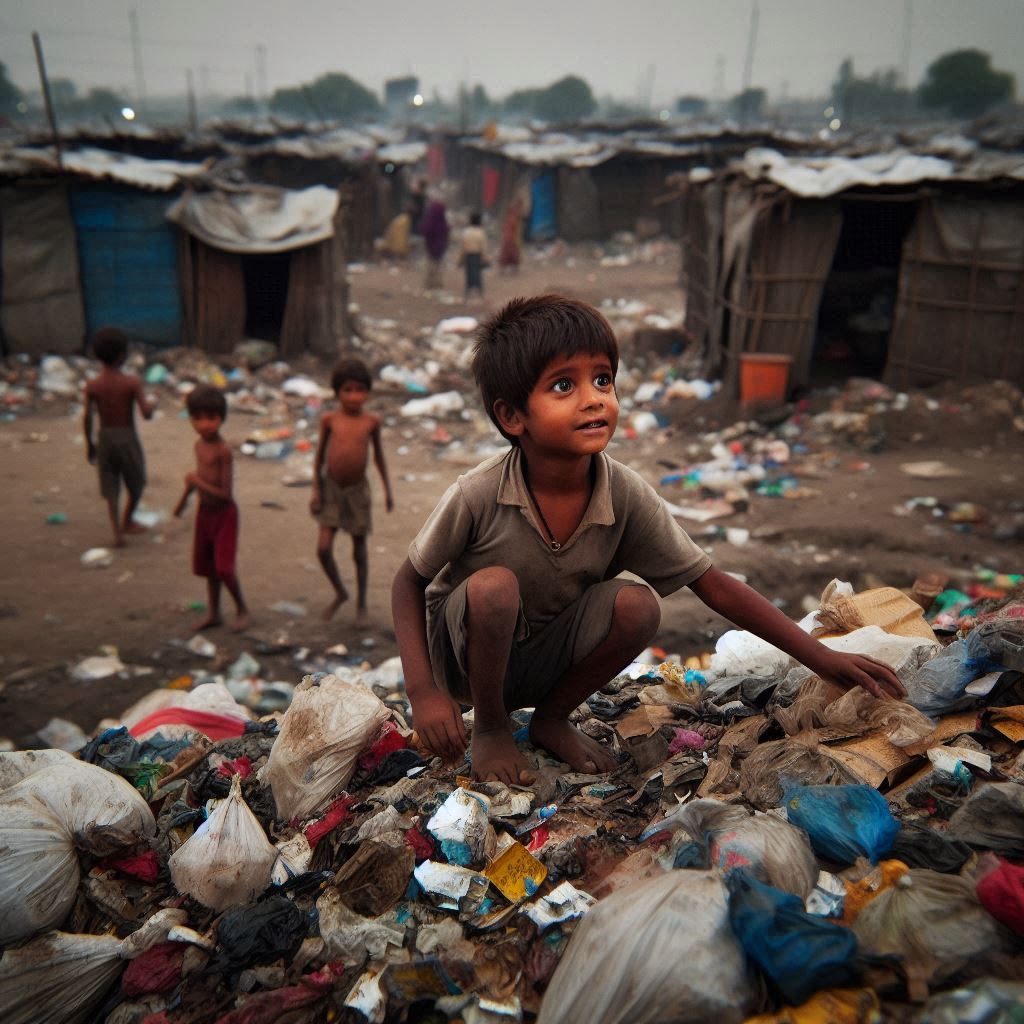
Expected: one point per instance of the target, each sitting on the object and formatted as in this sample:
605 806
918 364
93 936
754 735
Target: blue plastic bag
801 954
843 822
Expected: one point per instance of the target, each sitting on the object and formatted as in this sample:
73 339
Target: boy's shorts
346 508
539 656
216 540
119 457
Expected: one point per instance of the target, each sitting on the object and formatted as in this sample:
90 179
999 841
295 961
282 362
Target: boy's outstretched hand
438 720
849 670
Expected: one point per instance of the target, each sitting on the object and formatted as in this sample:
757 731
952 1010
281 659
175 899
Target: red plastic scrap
270 1007
240 766
1001 893
144 866
423 845
659 838
217 727
156 970
538 837
336 814
389 741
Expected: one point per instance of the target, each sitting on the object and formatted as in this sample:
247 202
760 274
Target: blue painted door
128 261
543 215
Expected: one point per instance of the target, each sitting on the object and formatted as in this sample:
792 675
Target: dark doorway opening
859 297
266 291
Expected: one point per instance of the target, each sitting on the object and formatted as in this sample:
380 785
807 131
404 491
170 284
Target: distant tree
691 106
10 94
479 101
522 101
568 99
965 83
244 105
331 96
622 110
749 104
878 96
101 102
63 94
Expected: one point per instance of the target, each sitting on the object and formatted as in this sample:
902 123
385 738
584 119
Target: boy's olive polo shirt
486 519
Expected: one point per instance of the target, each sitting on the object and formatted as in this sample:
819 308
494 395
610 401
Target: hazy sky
626 48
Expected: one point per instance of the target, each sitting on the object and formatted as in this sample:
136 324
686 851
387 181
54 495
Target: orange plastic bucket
764 377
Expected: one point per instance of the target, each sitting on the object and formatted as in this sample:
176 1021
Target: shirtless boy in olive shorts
341 492
116 452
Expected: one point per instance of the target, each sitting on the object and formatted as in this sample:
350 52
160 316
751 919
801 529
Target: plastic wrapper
462 827
992 818
53 807
840 1006
771 766
652 953
857 712
843 822
322 734
988 1001
774 851
228 860
934 923
874 880
798 952
921 847
1001 893
940 686
259 933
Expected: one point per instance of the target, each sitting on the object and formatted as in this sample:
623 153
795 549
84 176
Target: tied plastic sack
652 953
228 860
935 924
774 851
770 767
843 822
52 806
800 953
61 978
327 726
992 818
940 686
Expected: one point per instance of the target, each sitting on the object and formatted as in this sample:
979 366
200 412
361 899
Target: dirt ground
54 611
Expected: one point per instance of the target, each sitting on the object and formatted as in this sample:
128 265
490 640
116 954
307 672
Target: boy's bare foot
241 623
334 606
568 744
210 622
497 758
362 618
133 527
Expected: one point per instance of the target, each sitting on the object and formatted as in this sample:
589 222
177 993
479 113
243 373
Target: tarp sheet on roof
103 165
258 221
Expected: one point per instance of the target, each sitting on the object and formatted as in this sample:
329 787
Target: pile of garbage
238 853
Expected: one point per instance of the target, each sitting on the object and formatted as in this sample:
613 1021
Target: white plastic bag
228 861
61 978
777 853
322 734
57 806
660 952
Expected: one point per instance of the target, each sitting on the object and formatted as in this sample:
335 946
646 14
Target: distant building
399 94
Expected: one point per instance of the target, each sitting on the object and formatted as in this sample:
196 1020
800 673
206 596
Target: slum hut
363 167
261 262
902 266
590 186
86 243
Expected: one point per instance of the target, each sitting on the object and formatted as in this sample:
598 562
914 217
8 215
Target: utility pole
47 99
908 21
140 81
261 74
748 62
193 117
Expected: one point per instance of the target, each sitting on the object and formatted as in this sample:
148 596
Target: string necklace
553 543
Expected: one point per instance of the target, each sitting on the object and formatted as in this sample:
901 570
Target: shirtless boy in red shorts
341 492
216 536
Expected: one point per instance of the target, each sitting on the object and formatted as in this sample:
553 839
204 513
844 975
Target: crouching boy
511 594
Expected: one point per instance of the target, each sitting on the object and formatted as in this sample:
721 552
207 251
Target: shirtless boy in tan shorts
341 491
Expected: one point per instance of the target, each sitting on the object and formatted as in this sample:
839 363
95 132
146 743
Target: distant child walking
117 452
474 256
341 491
216 534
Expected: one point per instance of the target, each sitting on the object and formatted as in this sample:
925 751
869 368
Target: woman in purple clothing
434 229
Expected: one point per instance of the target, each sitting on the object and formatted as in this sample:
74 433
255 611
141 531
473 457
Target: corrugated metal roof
103 165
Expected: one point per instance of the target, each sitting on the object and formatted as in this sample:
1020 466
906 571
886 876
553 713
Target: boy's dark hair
110 345
350 369
474 219
513 346
206 398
